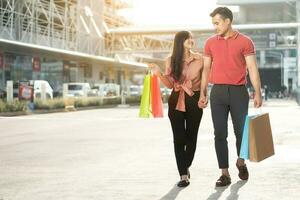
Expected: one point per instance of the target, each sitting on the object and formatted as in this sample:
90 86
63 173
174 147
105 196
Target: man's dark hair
224 12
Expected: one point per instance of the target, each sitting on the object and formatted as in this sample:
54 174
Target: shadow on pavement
234 190
217 194
172 194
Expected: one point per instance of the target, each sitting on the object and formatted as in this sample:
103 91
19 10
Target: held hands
203 100
154 68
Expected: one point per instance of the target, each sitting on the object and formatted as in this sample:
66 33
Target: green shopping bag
145 111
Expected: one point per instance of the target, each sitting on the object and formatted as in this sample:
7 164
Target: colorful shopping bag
261 144
257 142
156 100
145 98
244 150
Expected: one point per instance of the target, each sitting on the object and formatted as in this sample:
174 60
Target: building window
87 70
100 75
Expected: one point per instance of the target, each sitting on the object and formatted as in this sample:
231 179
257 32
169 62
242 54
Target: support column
298 42
126 81
262 59
95 72
9 91
111 74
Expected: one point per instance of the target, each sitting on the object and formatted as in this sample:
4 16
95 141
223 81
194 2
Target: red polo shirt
228 58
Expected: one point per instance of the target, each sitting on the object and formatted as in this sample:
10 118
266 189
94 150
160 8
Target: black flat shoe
183 183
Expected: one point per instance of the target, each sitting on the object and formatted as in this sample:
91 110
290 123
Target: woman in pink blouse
183 75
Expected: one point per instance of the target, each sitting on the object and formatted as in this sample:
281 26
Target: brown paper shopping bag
260 138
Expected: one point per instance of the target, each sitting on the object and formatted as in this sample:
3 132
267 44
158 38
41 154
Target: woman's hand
203 100
154 68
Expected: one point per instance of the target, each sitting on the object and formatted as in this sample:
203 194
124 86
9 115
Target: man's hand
257 100
203 100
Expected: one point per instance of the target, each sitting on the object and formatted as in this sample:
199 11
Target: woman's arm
204 82
165 78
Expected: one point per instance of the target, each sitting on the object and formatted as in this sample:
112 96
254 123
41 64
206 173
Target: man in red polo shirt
227 56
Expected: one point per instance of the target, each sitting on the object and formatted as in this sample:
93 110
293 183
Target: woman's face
189 43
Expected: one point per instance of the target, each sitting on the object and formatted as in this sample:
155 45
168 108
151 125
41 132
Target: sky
170 12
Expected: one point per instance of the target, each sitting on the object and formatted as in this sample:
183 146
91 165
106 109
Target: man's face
221 26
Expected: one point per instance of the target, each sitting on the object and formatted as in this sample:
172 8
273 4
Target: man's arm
255 79
204 81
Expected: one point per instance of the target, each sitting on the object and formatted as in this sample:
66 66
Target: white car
107 89
135 90
38 88
79 89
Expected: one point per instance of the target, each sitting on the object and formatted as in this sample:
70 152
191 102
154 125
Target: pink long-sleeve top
190 79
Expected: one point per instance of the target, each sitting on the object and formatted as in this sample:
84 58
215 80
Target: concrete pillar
43 91
126 80
96 72
262 59
65 90
298 42
85 92
287 73
111 74
9 91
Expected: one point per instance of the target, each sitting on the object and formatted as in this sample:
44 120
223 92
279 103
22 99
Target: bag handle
258 111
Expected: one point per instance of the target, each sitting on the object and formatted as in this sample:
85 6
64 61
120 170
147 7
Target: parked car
16 85
38 89
37 85
58 91
107 89
165 92
79 89
135 90
2 93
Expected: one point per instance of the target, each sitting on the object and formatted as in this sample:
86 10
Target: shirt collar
233 36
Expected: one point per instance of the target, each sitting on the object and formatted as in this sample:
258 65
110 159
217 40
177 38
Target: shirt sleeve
207 51
249 48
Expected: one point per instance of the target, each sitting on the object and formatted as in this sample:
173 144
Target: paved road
111 154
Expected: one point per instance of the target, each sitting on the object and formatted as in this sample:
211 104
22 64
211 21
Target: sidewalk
112 154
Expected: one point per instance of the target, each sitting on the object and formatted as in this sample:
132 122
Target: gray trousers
225 99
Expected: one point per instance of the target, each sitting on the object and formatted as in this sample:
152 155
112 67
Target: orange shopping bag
156 100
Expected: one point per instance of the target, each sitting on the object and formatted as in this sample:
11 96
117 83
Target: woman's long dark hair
177 54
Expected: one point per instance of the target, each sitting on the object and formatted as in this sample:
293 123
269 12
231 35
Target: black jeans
225 99
185 127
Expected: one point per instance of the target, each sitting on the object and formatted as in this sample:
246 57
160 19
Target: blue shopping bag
244 151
